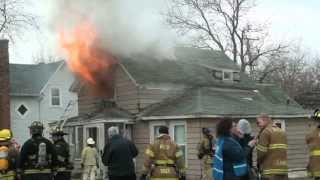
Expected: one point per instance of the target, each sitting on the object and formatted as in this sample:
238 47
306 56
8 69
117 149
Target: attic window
22 110
227 75
55 97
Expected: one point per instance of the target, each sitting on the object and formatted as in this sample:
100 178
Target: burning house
194 90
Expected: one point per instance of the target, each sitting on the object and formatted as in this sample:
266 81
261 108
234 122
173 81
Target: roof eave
150 118
24 94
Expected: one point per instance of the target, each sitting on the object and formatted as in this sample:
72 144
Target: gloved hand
183 177
82 166
143 177
98 166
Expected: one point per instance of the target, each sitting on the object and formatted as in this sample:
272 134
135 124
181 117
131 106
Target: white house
40 93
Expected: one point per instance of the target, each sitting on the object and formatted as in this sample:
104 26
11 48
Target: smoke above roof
124 26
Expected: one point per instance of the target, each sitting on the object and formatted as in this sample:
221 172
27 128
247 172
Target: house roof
29 79
210 101
192 67
107 114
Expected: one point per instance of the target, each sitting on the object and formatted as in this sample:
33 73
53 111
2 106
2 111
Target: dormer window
227 75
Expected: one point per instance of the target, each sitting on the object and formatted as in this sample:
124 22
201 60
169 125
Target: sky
288 20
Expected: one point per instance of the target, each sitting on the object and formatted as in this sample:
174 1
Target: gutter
219 116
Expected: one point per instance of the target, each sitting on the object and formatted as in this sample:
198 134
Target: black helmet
58 131
316 115
36 128
163 130
206 131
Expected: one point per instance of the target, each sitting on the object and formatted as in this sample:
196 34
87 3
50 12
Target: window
22 109
227 75
55 97
280 123
180 137
177 131
79 141
154 130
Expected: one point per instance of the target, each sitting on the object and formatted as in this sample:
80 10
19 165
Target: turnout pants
132 177
89 173
206 164
275 177
63 176
43 176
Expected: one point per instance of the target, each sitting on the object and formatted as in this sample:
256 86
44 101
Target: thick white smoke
124 26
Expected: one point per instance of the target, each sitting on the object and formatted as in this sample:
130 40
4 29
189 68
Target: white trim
151 129
99 121
60 97
26 106
129 75
282 122
219 116
172 133
51 77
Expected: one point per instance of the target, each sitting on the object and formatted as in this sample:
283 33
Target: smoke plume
124 26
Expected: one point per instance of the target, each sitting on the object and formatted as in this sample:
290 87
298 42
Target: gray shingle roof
192 67
29 79
226 102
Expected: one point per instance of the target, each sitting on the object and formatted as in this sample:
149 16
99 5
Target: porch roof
107 114
215 102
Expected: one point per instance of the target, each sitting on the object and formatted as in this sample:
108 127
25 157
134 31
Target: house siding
63 80
141 139
40 108
20 124
126 92
87 101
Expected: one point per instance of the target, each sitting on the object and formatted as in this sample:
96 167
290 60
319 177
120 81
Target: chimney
4 85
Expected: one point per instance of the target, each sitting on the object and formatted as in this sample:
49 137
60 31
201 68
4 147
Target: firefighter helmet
5 134
36 128
90 141
316 115
58 131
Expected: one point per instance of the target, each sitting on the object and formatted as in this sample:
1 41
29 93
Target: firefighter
271 150
8 156
313 142
38 158
205 153
63 155
163 159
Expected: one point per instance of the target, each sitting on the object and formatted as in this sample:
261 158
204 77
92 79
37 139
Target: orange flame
85 58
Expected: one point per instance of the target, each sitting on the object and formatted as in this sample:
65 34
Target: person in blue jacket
230 160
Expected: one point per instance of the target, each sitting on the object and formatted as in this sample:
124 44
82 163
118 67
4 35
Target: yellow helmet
5 134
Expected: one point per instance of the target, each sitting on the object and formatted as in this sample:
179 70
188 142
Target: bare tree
43 57
297 71
14 18
222 25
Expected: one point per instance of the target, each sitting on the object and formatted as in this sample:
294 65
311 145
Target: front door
96 132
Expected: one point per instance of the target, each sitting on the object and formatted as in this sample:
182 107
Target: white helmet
90 141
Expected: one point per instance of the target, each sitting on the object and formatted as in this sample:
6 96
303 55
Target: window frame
172 133
227 79
282 122
26 106
171 125
60 97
